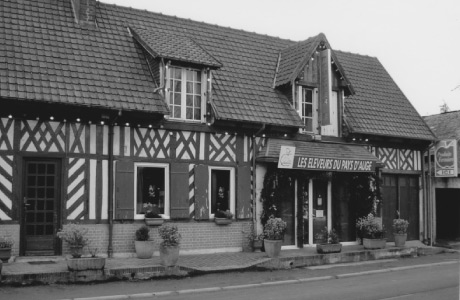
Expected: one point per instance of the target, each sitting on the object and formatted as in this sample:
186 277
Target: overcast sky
417 41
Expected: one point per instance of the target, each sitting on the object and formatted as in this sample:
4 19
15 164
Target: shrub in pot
170 244
274 231
255 240
6 243
74 235
373 232
328 242
144 246
400 231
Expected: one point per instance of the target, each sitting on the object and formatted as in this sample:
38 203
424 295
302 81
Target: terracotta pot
144 249
374 243
400 239
328 248
87 263
76 251
5 254
169 255
273 247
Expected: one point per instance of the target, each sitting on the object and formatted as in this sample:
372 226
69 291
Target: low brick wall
197 237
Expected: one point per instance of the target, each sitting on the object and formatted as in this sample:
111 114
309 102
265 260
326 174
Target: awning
319 156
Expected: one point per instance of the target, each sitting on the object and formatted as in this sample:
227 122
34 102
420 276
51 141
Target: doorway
447 212
41 207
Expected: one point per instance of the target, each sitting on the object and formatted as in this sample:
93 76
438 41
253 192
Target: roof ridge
353 53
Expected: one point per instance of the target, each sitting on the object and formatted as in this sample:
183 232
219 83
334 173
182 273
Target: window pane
189 75
41 193
197 88
50 193
31 180
177 86
197 101
197 114
308 111
177 73
189 113
50 205
189 100
49 217
41 180
32 168
189 87
177 112
41 169
50 169
49 229
50 181
220 189
309 96
150 190
309 124
177 99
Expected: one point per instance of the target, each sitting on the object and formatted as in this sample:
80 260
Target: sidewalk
46 270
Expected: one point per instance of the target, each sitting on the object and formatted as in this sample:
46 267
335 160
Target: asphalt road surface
426 277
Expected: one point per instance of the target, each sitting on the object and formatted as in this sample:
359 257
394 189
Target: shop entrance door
320 211
288 213
40 207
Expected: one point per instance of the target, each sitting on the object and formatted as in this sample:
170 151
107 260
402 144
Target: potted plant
74 235
256 241
372 231
328 242
6 243
223 217
169 247
144 246
152 215
274 231
400 231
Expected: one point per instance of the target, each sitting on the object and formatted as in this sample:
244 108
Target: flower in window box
152 215
222 217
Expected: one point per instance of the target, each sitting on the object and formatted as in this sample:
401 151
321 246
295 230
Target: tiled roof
172 46
446 125
45 56
378 106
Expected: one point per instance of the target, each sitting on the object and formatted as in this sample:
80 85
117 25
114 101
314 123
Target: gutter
254 215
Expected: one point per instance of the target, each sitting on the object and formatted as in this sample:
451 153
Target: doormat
43 262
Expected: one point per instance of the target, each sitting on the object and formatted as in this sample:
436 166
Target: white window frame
299 100
166 215
183 93
232 188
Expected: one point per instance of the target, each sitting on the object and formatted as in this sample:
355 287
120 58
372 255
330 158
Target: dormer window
186 94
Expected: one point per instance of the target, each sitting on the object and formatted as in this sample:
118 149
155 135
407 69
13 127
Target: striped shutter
124 190
179 191
201 192
244 195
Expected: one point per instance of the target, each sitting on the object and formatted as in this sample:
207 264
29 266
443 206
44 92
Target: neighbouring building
445 191
106 108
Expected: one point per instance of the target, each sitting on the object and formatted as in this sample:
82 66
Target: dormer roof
173 46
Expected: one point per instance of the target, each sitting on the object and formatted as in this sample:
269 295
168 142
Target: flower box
87 263
223 221
153 221
328 248
374 243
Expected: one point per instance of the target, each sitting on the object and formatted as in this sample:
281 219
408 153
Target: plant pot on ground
74 235
274 231
170 245
372 231
400 232
328 242
6 244
144 247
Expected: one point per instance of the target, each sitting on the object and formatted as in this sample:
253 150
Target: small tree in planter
328 242
255 240
144 247
169 247
74 235
274 231
400 231
372 231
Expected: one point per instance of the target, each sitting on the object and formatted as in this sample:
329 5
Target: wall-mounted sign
445 156
288 160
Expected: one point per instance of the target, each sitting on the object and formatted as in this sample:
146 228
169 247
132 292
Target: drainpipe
425 195
430 200
111 185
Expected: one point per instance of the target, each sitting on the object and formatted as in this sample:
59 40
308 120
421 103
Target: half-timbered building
107 108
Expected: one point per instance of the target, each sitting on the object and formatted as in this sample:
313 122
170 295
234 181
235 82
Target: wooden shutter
124 190
325 89
179 191
201 192
243 196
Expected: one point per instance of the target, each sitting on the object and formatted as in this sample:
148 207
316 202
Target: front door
41 207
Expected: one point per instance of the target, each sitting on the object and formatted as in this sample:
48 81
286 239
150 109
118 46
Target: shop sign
288 160
445 156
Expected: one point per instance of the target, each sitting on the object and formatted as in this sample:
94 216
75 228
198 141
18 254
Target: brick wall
196 236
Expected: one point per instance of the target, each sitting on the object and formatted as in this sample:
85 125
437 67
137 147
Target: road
427 277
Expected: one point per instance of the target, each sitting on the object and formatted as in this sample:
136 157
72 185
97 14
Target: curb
263 284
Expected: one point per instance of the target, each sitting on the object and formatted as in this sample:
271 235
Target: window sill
153 221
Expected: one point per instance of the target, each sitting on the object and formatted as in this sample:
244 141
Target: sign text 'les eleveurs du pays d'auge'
333 164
